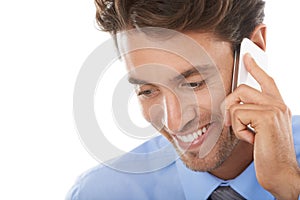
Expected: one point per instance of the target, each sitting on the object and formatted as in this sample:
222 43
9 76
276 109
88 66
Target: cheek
152 112
226 75
227 79
154 115
145 110
211 97
204 99
224 63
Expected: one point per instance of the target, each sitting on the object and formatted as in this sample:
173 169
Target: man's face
182 98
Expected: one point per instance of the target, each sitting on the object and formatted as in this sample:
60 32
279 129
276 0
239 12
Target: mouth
193 140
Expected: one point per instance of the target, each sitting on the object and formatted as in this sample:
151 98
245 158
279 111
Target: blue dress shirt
172 181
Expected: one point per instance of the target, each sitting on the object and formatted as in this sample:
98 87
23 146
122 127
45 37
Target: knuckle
271 79
269 116
234 109
276 111
242 87
284 109
289 112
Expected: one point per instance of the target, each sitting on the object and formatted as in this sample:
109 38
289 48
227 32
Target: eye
148 93
193 85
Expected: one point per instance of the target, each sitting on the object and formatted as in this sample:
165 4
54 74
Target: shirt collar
199 185
196 185
247 185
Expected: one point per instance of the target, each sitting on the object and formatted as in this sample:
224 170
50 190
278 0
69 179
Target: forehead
164 57
153 65
171 54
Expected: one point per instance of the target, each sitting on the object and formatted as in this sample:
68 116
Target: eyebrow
188 73
136 81
182 75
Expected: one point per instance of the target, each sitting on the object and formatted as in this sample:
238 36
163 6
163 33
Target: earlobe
258 36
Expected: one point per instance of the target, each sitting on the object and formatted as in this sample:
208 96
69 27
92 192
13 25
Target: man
248 149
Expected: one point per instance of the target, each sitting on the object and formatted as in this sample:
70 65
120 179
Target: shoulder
296 135
103 182
296 129
136 175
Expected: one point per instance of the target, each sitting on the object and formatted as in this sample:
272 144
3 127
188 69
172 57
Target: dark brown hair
229 20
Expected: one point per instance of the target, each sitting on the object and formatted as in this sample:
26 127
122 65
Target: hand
275 161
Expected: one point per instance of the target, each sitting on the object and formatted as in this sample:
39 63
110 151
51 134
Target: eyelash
199 84
147 93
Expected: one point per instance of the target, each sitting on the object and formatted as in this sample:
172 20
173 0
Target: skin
271 147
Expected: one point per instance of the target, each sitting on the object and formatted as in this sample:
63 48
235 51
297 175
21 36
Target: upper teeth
191 137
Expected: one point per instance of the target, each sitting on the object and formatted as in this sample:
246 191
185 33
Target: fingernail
247 59
248 55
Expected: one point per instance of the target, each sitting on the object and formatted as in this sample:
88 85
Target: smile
189 138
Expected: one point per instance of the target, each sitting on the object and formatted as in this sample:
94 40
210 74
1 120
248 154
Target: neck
236 163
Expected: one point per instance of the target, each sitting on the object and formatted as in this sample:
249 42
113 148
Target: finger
246 95
265 81
235 107
240 127
244 115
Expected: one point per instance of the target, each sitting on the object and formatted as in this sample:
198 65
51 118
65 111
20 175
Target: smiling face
181 96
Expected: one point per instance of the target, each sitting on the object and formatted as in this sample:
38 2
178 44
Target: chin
208 163
215 158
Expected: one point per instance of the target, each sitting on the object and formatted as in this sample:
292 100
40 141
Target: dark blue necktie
225 193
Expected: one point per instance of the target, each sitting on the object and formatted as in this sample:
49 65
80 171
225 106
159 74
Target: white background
42 47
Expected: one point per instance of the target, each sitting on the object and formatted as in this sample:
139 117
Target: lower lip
196 143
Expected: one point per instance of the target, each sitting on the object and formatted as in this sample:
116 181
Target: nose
179 112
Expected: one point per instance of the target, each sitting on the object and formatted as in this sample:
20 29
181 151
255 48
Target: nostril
191 124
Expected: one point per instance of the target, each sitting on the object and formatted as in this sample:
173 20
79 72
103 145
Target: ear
258 36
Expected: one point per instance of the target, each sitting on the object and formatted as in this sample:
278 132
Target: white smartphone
240 74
